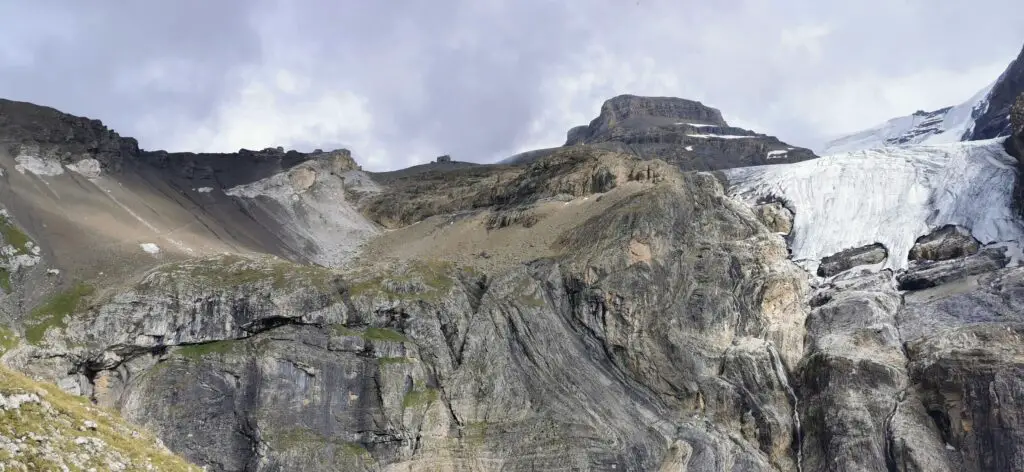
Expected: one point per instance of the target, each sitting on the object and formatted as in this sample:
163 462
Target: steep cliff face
682 132
1015 147
995 121
43 428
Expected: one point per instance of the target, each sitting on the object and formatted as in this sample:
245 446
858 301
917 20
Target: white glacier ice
892 196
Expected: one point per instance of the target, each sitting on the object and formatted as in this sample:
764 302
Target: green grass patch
61 422
305 439
416 398
195 351
14 236
8 339
53 312
371 334
420 280
5 280
230 271
393 360
384 334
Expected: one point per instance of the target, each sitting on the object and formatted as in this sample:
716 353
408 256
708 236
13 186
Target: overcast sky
401 81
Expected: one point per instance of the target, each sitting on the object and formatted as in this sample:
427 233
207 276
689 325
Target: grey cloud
475 78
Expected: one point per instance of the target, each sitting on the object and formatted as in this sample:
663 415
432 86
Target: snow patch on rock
204 189
150 248
890 196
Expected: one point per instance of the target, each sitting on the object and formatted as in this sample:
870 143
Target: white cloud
805 38
280 108
482 80
858 102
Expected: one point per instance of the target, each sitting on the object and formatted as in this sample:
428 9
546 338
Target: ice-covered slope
890 196
946 125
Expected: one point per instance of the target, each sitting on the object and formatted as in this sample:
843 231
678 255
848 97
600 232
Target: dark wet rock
947 242
921 275
850 258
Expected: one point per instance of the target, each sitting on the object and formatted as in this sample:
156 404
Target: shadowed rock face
1015 146
996 122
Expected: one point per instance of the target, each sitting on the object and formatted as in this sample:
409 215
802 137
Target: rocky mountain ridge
588 310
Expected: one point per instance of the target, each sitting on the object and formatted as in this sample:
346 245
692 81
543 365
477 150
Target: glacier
889 195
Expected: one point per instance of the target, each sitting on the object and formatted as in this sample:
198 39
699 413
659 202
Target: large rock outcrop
685 133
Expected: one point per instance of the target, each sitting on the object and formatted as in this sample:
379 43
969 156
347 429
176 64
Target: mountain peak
687 133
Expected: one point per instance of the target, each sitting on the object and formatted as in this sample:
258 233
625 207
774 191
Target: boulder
947 242
850 258
926 274
775 216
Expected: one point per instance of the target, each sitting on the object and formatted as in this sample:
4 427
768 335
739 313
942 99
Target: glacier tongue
891 195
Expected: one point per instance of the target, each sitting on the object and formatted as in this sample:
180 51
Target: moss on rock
54 311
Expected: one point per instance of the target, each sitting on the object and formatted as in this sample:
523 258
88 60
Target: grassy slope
56 430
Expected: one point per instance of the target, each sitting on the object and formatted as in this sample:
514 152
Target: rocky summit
682 132
648 297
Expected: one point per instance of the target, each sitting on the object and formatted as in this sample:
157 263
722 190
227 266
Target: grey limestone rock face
850 258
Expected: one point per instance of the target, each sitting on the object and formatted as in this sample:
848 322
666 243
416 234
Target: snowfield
892 196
